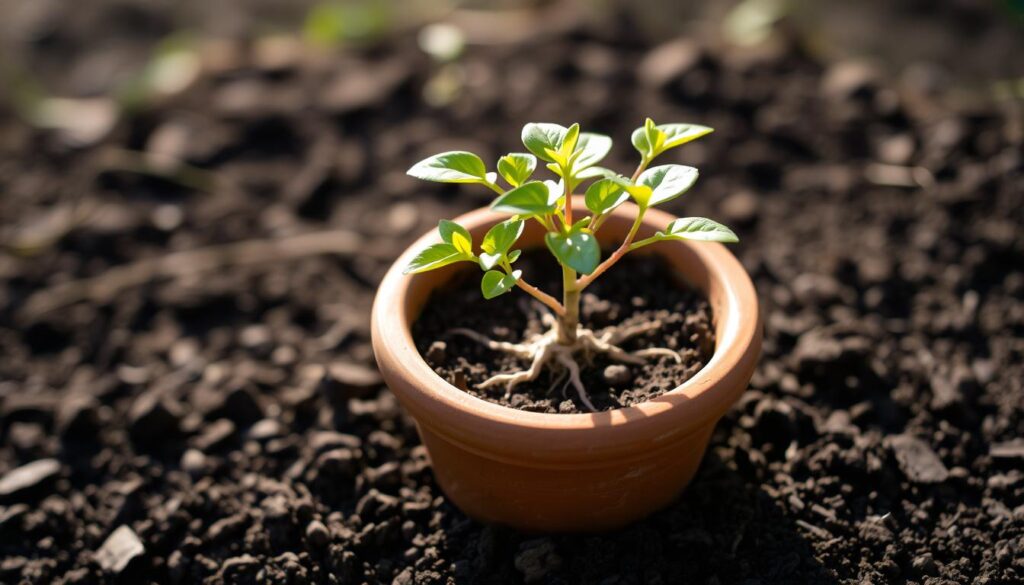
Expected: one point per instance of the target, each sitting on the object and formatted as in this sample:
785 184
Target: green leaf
669 135
582 223
514 255
680 134
488 261
527 199
541 137
578 249
605 195
456 166
435 256
448 229
667 182
462 243
516 167
556 191
501 237
594 147
697 228
495 283
640 193
572 135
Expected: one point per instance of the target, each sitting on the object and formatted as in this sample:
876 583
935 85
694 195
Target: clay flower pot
570 472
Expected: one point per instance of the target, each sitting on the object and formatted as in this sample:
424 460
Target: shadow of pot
570 472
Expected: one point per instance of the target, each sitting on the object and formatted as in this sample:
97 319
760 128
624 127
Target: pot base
563 499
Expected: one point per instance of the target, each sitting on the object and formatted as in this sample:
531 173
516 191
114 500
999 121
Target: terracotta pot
570 472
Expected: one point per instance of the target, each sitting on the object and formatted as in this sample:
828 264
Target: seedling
572 156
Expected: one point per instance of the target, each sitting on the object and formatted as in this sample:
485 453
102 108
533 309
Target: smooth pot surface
570 472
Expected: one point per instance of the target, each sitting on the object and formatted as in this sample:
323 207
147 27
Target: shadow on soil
723 529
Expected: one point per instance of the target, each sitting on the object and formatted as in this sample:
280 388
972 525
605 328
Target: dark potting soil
639 289
228 425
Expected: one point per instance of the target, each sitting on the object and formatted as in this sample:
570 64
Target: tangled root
544 350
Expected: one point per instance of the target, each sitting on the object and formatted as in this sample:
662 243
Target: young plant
572 156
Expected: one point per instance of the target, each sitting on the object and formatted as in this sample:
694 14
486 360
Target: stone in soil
917 460
29 480
119 550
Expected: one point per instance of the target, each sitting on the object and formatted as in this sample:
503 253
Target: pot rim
501 432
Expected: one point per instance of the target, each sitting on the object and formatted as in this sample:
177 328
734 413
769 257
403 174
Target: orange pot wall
570 472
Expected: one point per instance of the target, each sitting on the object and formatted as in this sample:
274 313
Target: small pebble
194 462
617 375
317 534
119 550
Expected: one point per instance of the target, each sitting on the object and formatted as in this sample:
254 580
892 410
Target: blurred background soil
198 199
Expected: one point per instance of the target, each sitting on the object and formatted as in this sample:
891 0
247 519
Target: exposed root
517 349
514 379
574 378
544 349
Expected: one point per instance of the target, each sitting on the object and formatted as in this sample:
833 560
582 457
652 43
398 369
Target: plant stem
640 168
494 187
616 255
569 321
542 296
568 197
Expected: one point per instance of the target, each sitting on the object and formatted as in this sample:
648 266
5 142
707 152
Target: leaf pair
557 144
654 186
516 167
496 245
456 246
653 139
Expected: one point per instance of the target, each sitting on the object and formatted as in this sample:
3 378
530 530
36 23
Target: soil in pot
641 288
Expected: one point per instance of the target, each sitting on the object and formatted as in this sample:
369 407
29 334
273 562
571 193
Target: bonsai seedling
572 156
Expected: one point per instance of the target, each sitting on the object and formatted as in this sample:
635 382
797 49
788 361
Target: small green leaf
605 195
578 249
581 224
488 261
516 167
568 146
462 243
501 237
667 182
593 147
456 166
495 283
680 134
435 256
560 160
541 137
514 255
698 228
448 229
527 199
669 135
640 193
